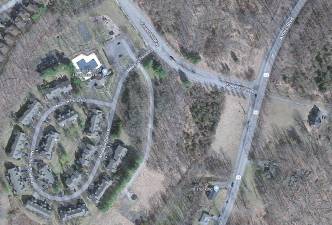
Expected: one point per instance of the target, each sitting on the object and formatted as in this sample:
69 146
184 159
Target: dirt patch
147 184
4 207
282 111
113 217
228 134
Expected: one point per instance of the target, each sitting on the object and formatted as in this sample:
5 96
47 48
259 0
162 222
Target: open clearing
283 112
147 184
230 126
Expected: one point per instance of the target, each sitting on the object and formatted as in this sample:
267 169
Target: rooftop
72 211
99 188
86 63
40 207
30 113
119 153
95 122
20 143
73 181
59 89
48 143
18 178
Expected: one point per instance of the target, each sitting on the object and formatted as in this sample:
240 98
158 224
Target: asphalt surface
78 193
149 128
151 37
249 130
112 105
300 102
144 26
8 5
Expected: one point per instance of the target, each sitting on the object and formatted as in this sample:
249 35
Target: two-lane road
249 130
144 26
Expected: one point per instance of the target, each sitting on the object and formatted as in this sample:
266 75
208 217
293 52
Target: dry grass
230 127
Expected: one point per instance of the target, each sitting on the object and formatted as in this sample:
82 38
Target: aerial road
112 105
144 26
249 130
151 37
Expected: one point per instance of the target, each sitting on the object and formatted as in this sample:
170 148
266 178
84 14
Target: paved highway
144 26
248 133
112 105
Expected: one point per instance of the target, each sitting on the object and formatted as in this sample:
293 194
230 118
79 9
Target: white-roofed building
86 65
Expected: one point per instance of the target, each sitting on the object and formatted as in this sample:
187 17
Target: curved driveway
76 194
144 26
112 105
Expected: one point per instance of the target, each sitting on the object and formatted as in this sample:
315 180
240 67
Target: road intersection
144 26
157 44
252 119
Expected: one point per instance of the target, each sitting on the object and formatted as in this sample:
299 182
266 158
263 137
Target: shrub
127 169
192 56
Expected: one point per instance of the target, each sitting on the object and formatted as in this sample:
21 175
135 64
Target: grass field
57 72
40 12
154 68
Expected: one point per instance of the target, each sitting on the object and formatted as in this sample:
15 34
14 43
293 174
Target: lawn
154 68
192 56
58 71
40 12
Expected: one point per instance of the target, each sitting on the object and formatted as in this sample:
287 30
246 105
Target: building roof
46 175
86 63
115 162
314 117
20 143
120 152
40 207
95 122
205 218
212 191
48 143
73 181
18 178
59 89
88 154
72 211
99 189
30 113
68 118
86 66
